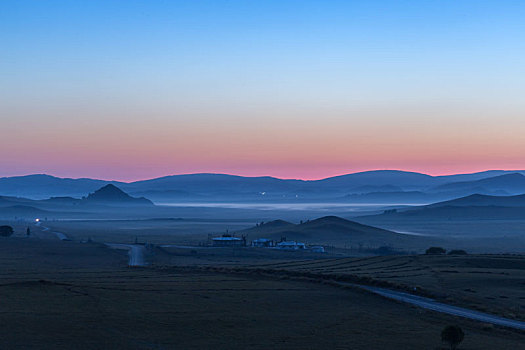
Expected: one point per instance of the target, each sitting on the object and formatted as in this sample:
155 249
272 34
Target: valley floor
487 283
65 295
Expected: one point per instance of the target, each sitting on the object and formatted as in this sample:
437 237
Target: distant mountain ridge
97 201
40 186
404 179
472 207
383 184
511 183
480 200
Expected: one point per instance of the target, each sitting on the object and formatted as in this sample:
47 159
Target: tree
28 232
435 251
453 335
6 231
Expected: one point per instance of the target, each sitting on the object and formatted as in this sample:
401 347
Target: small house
262 243
227 241
291 245
317 249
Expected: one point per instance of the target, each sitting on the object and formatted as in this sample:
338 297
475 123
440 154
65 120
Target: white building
291 245
227 241
262 243
317 249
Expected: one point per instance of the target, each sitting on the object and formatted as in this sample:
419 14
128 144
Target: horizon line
261 176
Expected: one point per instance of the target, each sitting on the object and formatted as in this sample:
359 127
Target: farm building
228 241
317 249
291 245
262 243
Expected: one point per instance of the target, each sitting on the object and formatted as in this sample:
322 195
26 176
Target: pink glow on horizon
123 158
286 145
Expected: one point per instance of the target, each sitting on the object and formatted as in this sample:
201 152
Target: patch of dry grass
63 295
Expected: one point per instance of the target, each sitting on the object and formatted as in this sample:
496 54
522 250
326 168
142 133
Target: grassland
474 236
480 236
157 231
65 295
492 283
195 231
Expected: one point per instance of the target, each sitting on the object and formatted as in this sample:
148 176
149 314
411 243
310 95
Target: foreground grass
63 295
491 283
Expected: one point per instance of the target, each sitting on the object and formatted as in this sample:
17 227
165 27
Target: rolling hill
112 195
108 199
510 183
41 186
331 230
481 200
378 178
473 207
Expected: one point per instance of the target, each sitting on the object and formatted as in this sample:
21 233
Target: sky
131 90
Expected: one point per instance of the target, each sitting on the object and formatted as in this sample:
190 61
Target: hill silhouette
383 185
379 178
40 186
473 207
111 194
330 230
276 224
510 183
481 200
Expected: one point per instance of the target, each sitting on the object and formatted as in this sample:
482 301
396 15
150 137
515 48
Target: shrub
6 231
453 335
435 251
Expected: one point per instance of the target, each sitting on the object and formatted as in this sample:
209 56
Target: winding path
431 304
135 252
61 236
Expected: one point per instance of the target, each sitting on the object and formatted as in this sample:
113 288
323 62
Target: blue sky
173 68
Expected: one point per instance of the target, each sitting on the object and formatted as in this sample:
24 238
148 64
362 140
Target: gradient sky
295 89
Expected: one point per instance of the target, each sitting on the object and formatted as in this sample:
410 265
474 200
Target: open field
191 225
454 228
157 231
491 283
480 236
196 231
174 303
64 295
225 256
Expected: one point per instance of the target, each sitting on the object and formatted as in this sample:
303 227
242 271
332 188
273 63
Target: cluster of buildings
228 240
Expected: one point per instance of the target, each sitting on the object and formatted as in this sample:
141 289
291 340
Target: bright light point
37 220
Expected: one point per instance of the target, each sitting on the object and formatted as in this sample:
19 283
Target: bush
453 335
457 252
6 231
435 251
